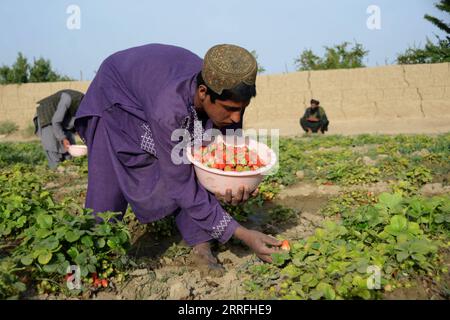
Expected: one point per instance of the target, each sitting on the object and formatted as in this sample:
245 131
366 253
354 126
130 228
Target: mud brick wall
387 99
18 102
391 99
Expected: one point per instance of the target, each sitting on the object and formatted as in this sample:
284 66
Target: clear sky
277 30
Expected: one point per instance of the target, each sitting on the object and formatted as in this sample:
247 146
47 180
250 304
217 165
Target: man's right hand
66 144
258 242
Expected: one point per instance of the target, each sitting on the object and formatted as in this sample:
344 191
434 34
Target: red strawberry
104 283
97 283
285 245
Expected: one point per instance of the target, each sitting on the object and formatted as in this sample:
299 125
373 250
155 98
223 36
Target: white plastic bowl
218 181
77 150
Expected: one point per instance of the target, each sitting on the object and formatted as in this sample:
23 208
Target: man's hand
312 119
258 242
242 196
66 144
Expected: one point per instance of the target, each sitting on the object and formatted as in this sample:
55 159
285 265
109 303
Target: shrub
8 127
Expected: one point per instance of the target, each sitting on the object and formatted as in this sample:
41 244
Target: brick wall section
383 99
18 102
387 99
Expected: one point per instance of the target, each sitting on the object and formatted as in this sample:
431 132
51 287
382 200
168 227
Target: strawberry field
366 217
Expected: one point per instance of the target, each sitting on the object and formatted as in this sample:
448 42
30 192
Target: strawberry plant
43 238
347 200
59 240
25 153
21 198
10 285
334 262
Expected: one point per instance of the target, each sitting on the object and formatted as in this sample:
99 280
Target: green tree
22 72
431 52
444 6
41 71
339 56
5 75
20 69
261 69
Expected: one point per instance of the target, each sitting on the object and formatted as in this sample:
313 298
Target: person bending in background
314 119
54 124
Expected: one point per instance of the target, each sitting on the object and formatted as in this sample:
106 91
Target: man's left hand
242 195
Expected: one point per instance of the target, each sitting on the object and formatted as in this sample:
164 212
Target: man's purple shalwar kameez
137 99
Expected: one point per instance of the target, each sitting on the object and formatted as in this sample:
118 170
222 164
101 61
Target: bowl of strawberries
231 163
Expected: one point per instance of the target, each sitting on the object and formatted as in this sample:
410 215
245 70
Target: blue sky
277 30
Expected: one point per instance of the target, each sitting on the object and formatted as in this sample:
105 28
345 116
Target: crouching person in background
314 119
54 124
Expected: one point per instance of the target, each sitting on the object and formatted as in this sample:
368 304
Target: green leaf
45 257
91 268
43 233
299 257
81 259
363 293
309 280
291 271
44 194
402 255
398 224
27 260
19 286
50 243
414 228
123 236
112 243
72 236
87 241
422 246
84 272
21 221
73 252
415 208
391 201
279 259
62 267
101 242
50 268
104 229
328 291
44 220
323 290
439 218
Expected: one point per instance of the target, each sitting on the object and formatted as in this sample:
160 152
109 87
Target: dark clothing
61 126
315 126
47 106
